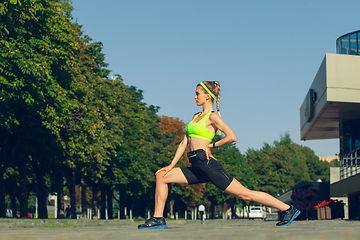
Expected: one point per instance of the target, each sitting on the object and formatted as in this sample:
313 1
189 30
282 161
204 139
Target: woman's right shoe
288 216
154 223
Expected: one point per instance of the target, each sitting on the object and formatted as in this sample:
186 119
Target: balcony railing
350 164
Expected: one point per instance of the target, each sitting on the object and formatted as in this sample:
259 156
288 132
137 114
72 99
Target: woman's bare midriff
197 143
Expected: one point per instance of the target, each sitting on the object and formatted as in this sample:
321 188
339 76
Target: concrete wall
319 86
337 88
350 185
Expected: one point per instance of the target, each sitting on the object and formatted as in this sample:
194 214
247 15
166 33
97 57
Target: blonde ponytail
214 88
217 90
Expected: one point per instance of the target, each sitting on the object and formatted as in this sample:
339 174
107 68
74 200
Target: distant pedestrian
202 213
204 166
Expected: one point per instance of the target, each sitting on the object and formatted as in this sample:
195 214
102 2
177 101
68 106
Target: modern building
331 109
329 158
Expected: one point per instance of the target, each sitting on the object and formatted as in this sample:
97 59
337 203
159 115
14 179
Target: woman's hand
208 153
164 170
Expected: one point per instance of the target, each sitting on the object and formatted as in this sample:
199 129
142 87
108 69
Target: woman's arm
179 152
230 136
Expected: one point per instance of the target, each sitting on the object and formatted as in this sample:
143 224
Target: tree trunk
103 203
13 205
122 202
2 171
94 202
83 199
212 211
23 190
7 154
60 204
72 193
42 202
2 194
233 210
42 196
60 196
225 208
110 203
171 206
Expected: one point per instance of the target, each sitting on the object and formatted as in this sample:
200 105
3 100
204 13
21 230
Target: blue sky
265 54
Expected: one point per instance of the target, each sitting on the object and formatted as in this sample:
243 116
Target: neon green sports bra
199 130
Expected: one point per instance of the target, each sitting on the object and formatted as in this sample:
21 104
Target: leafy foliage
279 167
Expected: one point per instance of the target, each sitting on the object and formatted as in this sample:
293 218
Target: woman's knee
160 179
174 176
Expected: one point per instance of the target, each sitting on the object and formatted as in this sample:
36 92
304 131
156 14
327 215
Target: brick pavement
210 230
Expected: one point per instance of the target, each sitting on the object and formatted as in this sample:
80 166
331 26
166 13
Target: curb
14 223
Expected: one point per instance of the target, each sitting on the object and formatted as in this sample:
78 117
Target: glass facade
348 44
349 148
349 136
349 129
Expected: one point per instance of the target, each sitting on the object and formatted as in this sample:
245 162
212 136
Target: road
210 230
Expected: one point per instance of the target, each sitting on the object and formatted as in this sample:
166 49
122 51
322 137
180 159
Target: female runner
204 167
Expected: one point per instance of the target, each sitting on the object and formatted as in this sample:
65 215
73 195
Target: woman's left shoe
154 223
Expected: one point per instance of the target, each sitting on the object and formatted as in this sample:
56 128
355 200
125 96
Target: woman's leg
161 191
238 190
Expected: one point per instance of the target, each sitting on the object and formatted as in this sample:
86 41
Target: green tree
139 156
279 167
37 53
95 126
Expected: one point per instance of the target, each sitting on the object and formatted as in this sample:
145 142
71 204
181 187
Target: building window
353 44
348 44
349 136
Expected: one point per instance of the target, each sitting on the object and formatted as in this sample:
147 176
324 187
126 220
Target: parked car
257 212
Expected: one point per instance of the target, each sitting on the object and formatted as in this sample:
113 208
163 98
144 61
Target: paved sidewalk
210 230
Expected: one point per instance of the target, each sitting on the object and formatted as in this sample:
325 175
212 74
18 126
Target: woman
205 168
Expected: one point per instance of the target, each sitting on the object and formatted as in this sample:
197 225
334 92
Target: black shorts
203 170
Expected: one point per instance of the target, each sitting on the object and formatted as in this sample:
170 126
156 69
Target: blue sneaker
288 216
154 223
